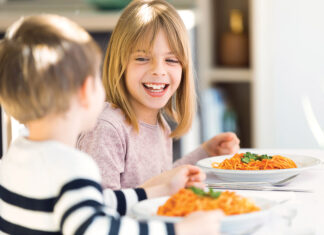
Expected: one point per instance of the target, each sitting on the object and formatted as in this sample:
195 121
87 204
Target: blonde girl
147 75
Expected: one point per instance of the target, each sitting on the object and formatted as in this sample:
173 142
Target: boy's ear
86 91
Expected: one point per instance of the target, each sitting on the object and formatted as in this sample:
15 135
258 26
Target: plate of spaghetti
257 167
243 214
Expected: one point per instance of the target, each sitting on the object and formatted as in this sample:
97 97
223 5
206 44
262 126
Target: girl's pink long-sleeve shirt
127 158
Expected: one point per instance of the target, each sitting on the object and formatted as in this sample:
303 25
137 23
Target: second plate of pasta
233 224
251 170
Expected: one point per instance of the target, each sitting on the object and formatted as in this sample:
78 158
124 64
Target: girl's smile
156 89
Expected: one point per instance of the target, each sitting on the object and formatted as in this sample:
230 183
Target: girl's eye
141 59
175 61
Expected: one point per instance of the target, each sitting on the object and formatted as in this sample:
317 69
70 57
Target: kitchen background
259 65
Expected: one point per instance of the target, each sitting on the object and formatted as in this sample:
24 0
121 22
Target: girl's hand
172 181
222 144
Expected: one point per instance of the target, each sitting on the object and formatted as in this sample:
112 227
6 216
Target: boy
49 81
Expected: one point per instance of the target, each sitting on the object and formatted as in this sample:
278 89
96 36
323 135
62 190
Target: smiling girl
147 75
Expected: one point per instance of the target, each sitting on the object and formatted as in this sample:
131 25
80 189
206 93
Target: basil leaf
254 157
201 192
248 156
245 159
197 191
214 194
265 156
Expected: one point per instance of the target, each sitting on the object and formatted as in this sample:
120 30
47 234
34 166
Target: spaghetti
186 201
249 161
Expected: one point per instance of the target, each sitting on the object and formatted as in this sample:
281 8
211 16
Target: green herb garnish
214 194
197 191
247 157
200 192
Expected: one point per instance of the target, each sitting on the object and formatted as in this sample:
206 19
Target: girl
148 76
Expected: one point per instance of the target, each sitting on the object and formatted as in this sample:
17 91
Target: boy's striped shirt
49 188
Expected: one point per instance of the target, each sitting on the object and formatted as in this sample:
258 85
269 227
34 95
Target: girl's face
152 77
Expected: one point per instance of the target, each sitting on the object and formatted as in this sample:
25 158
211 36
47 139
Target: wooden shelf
236 83
230 75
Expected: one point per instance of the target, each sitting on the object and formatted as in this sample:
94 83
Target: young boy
49 81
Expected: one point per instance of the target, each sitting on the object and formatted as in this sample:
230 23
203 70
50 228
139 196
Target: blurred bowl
109 4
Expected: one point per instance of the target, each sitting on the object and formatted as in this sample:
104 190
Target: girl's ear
86 92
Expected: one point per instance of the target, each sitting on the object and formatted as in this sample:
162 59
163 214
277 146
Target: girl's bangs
176 45
146 35
144 39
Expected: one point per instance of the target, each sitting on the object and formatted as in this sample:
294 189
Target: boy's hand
222 144
172 181
200 222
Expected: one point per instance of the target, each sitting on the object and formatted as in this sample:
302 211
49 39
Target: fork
254 183
258 186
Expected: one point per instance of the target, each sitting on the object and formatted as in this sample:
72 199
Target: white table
302 213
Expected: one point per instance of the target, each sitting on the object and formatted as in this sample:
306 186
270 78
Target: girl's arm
105 145
192 157
221 144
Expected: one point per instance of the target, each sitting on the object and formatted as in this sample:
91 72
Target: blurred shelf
83 14
76 10
236 83
230 75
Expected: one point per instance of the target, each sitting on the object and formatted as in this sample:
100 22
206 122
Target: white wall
289 73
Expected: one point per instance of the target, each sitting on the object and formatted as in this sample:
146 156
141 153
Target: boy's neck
61 128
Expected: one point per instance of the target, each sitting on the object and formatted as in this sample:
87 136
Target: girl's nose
158 68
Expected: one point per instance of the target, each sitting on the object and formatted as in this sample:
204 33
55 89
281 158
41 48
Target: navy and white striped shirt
49 188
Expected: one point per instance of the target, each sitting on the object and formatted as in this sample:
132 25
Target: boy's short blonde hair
44 59
136 29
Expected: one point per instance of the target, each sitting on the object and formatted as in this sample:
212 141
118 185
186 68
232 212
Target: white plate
235 224
302 162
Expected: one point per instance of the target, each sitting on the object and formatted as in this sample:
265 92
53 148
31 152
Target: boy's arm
123 200
165 184
80 209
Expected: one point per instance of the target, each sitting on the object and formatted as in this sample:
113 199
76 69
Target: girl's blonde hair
136 29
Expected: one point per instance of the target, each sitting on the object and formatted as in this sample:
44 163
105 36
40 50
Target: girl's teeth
155 86
160 90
